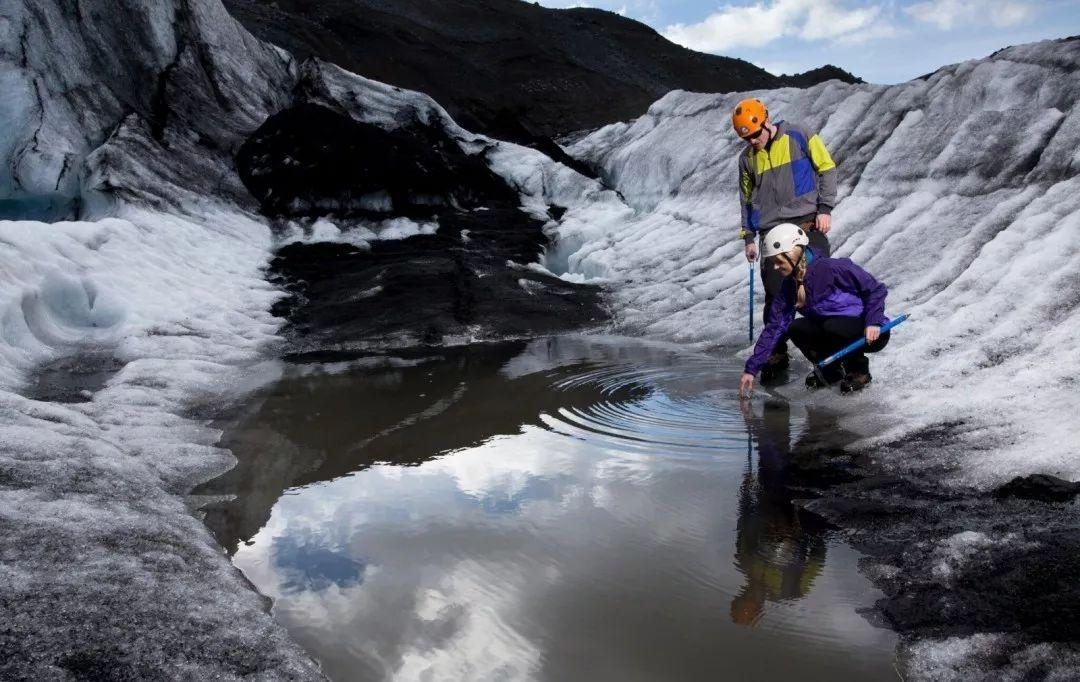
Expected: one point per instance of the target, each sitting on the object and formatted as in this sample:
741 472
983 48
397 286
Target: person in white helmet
839 302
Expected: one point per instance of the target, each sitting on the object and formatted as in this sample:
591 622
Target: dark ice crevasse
310 161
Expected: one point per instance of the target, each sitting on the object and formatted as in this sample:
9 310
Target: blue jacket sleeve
750 220
863 284
782 315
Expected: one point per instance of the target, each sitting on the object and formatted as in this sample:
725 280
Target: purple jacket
835 287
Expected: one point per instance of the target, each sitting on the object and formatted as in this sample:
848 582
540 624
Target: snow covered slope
127 115
961 192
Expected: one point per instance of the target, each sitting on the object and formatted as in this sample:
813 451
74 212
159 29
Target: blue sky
882 41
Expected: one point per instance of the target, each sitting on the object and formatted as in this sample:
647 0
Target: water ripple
659 410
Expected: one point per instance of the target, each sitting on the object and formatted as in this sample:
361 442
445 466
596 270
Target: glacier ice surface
960 191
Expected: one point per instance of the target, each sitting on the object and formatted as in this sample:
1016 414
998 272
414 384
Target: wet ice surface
72 379
563 509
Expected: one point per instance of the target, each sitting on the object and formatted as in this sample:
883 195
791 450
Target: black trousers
771 279
820 337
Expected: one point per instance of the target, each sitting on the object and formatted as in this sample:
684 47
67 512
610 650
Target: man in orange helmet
785 176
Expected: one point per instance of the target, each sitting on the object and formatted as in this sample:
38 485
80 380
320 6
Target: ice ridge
961 192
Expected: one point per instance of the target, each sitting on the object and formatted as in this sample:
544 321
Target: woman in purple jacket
839 301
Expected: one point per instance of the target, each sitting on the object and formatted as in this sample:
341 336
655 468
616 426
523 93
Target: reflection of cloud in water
534 489
542 554
305 566
438 612
479 640
487 473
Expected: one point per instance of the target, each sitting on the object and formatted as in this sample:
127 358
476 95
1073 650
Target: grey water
72 379
575 508
49 209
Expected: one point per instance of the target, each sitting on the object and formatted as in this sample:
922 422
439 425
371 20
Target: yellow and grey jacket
791 177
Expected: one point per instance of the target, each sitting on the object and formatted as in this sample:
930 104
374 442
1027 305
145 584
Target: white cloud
947 14
759 24
875 31
827 20
752 26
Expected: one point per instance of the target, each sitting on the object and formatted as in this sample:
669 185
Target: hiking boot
855 382
814 382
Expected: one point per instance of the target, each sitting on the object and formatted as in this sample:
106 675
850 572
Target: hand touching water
746 385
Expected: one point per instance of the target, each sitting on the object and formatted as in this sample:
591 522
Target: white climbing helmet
783 238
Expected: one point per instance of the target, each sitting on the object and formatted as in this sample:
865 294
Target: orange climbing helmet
749 116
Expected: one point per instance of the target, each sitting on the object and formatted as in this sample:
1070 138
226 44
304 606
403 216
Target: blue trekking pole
751 301
855 345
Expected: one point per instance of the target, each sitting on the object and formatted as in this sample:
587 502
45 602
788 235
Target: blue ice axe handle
855 345
751 301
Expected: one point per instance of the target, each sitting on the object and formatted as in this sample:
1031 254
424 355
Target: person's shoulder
847 265
831 265
797 127
841 263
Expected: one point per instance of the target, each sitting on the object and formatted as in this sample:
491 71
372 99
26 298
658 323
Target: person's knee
856 363
881 342
800 330
800 323
849 328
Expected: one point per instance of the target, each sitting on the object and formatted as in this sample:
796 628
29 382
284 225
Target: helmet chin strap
794 265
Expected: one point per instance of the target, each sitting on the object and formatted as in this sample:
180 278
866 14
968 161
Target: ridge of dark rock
1041 487
506 68
310 161
947 560
821 74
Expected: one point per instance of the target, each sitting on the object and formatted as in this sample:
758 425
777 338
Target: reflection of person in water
779 557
